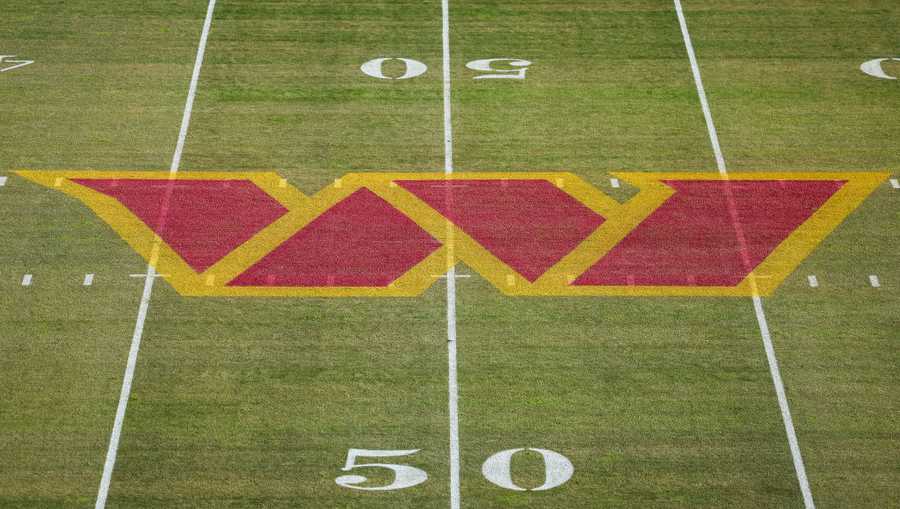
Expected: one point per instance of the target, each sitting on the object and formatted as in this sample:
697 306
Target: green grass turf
659 402
786 90
254 402
105 91
248 403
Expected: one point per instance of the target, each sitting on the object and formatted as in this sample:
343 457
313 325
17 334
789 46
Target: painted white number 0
373 68
515 68
557 469
487 65
405 476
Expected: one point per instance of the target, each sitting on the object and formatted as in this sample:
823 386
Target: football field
449 253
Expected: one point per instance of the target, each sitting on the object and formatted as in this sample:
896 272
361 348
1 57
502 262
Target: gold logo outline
457 246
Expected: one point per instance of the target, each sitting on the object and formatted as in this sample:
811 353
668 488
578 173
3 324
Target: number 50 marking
496 469
412 68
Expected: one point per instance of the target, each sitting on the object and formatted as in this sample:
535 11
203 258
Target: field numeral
874 68
496 469
557 469
405 476
487 65
375 68
7 59
492 68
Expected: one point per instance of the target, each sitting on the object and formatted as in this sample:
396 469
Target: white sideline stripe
88 280
150 277
757 301
873 280
2 181
26 280
452 384
813 281
895 183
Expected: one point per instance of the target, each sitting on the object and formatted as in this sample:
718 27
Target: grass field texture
255 402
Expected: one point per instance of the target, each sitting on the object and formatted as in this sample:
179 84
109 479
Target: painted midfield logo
391 234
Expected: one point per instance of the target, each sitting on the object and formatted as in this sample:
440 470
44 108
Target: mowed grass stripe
663 401
788 94
151 275
99 95
256 402
758 309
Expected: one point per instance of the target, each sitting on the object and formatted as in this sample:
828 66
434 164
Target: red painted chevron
528 224
201 220
360 241
691 239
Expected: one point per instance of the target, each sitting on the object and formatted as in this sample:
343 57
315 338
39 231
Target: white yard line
757 300
150 277
448 125
452 385
452 390
704 104
192 89
126 391
783 403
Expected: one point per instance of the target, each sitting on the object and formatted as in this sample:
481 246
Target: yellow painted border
457 245
772 271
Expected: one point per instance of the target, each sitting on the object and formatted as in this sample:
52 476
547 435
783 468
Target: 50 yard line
452 385
774 370
144 307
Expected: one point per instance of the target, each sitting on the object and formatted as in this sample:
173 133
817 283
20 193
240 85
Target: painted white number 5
405 476
557 469
487 65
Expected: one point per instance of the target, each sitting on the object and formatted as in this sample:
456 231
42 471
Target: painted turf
386 234
493 250
151 274
203 220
